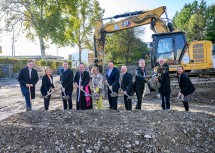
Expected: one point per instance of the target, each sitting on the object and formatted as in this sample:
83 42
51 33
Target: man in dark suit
112 76
164 80
66 79
28 78
127 87
139 82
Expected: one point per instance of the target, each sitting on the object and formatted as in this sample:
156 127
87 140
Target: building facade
87 57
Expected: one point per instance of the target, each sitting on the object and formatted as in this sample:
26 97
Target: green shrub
20 63
17 63
41 63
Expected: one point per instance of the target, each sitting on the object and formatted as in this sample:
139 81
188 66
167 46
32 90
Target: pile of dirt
108 131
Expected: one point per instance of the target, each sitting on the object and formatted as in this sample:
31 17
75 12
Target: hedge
17 63
20 63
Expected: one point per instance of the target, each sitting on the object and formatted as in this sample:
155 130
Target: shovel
129 97
49 93
85 94
65 97
96 96
113 94
29 90
180 96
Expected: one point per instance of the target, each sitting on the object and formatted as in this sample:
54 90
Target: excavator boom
168 42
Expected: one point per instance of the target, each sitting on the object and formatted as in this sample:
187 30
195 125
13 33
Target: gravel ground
147 130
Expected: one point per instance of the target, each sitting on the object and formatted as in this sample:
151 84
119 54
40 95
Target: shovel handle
83 91
108 86
29 89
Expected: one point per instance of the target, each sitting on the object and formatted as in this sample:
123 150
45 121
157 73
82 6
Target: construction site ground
148 130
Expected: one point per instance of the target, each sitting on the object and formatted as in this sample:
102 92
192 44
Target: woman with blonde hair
47 87
98 87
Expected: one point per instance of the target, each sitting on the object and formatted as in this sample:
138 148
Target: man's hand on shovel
81 88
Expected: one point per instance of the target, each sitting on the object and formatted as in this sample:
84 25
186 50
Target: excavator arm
131 20
167 42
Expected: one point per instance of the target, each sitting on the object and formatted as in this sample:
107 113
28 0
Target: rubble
95 131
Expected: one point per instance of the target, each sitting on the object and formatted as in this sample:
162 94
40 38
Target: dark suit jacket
164 79
140 79
113 79
186 85
46 85
85 77
127 84
66 79
164 68
24 79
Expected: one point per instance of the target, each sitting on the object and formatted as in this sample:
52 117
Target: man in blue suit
28 78
112 76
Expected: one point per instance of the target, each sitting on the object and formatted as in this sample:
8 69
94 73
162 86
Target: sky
112 7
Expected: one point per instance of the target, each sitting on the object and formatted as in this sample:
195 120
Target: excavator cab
168 46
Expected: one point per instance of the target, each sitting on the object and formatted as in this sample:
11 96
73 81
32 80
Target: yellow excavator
168 42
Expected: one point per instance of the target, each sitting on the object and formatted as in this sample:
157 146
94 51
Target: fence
6 70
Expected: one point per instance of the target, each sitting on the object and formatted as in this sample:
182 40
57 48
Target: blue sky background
112 7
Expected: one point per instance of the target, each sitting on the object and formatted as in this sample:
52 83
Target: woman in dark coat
47 87
81 80
164 80
186 86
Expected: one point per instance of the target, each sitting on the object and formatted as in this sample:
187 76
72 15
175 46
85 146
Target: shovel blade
131 97
65 97
113 94
87 95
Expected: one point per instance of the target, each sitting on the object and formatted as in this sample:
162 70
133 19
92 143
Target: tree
125 46
195 28
85 17
36 18
210 28
192 20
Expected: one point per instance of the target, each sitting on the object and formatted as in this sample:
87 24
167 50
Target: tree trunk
42 48
127 53
79 48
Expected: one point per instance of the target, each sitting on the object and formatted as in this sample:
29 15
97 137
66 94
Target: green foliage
41 63
36 18
197 21
64 22
20 63
195 28
79 26
53 64
125 46
210 29
17 63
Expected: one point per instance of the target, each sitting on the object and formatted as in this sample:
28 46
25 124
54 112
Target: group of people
164 89
91 87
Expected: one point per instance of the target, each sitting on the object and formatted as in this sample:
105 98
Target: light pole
13 42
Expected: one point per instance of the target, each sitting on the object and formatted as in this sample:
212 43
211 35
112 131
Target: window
179 42
165 49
